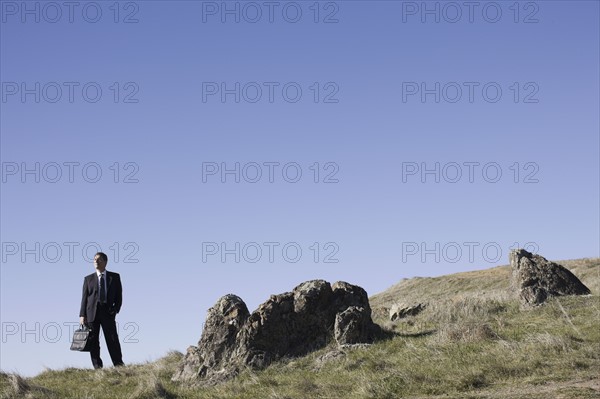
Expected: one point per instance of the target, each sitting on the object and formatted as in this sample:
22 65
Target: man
100 302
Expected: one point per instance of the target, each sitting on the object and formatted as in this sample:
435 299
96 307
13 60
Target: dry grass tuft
150 387
461 332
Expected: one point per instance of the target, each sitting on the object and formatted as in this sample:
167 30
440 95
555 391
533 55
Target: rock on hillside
535 279
289 324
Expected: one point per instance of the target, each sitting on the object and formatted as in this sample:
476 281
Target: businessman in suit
100 302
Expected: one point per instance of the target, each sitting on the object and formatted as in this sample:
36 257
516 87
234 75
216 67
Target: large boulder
353 326
535 279
213 354
286 325
345 295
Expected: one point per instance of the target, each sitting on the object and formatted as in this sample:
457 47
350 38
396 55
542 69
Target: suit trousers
109 329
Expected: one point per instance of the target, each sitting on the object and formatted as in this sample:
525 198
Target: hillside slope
472 340
493 282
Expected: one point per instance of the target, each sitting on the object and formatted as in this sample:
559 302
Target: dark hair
102 255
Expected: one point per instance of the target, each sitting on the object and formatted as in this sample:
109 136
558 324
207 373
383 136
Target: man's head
100 261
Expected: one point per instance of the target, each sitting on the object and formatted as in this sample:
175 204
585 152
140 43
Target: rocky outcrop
352 326
535 279
213 354
286 325
400 311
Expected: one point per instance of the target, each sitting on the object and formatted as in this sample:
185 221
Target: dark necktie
102 290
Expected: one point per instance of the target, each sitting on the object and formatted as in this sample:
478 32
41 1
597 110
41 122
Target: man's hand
82 320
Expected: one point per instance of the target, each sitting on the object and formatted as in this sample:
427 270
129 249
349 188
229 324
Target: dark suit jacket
90 295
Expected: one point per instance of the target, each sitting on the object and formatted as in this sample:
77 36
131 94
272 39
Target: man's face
99 263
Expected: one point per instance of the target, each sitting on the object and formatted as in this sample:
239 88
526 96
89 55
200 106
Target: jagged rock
286 325
345 295
217 344
352 326
190 365
535 279
400 311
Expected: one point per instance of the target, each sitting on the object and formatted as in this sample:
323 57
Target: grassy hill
473 340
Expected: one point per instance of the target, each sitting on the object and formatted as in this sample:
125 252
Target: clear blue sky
387 93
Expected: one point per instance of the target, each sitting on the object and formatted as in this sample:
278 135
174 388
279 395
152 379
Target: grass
473 340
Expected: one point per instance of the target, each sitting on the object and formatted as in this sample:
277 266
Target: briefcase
81 339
